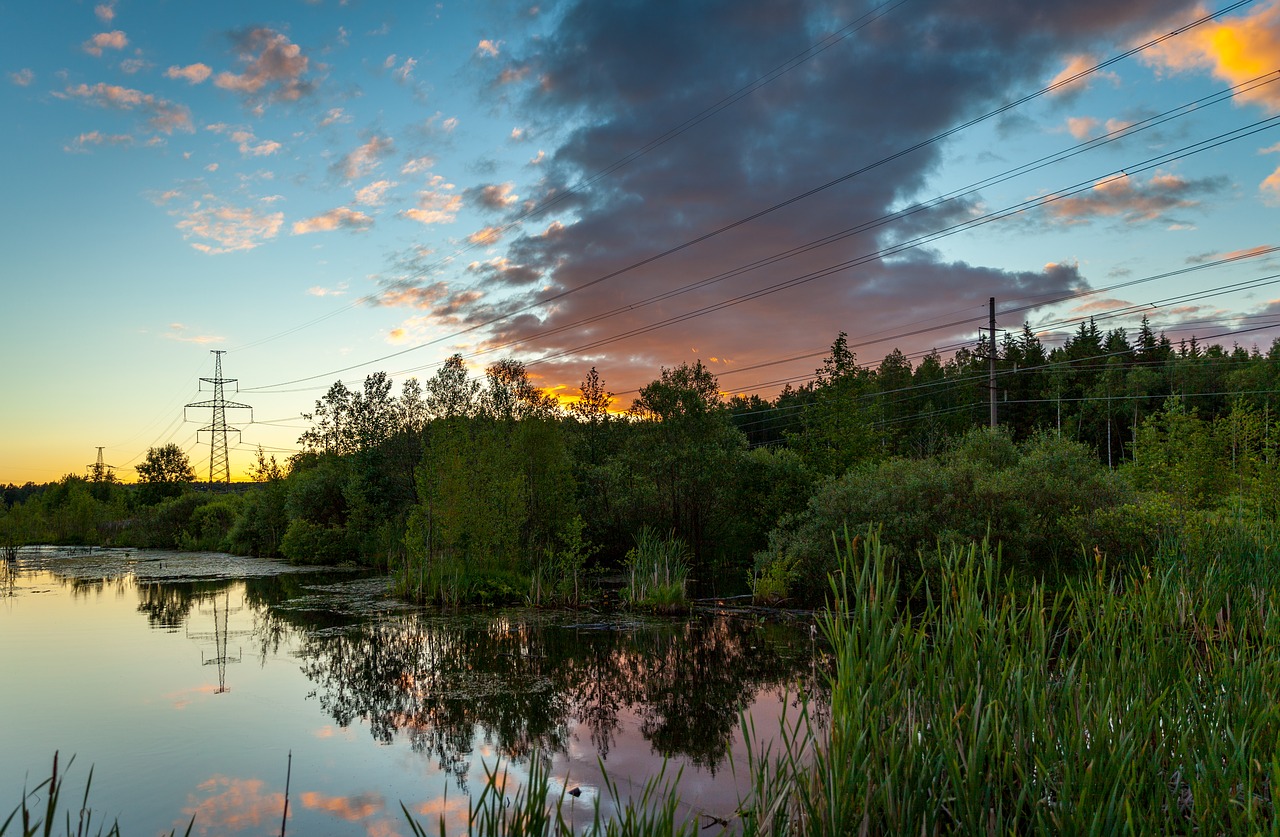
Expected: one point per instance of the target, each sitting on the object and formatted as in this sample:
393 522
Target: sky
323 190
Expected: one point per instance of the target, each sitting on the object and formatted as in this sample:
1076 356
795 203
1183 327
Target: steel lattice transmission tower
219 462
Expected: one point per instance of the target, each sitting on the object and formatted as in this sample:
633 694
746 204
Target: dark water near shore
185 680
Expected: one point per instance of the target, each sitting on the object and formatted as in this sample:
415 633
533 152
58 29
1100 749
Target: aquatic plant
659 570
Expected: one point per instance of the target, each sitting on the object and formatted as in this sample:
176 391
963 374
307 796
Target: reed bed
1139 704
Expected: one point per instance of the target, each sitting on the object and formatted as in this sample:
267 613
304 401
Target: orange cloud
1234 50
235 805
274 65
364 159
1077 64
1270 188
165 115
339 218
435 208
1082 127
485 236
488 48
1129 199
230 228
105 40
193 73
349 808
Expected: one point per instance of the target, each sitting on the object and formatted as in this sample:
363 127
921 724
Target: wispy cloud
80 143
335 116
417 164
485 236
493 196
106 12
105 40
1132 200
339 218
23 77
341 290
250 146
225 228
488 49
364 159
181 333
373 194
435 207
166 116
192 73
1077 64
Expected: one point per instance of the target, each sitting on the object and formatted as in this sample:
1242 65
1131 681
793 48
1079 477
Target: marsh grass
1142 704
658 573
40 819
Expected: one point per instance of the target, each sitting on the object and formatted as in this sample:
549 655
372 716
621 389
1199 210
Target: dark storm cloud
624 74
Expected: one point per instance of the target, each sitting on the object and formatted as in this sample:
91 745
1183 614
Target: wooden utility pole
991 358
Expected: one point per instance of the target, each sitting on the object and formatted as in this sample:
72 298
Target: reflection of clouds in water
349 808
236 804
454 811
181 699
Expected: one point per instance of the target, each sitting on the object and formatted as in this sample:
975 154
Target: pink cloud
364 159
225 229
274 67
106 12
22 78
192 73
166 116
105 40
435 208
340 218
1130 199
487 48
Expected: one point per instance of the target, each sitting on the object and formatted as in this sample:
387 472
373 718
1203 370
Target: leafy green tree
165 471
837 428
676 470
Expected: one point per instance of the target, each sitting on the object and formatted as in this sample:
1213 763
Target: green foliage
1025 498
658 573
262 521
1147 704
210 524
837 429
164 473
559 578
305 542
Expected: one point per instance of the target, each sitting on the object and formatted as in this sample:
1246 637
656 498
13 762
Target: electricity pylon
219 462
98 471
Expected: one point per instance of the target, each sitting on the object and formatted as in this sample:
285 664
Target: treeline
486 489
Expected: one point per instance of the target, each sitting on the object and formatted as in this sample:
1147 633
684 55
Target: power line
1059 84
706 113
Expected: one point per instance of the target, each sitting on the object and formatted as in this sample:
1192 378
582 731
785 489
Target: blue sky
329 189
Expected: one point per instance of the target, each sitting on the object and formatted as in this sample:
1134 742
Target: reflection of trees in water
167 605
521 683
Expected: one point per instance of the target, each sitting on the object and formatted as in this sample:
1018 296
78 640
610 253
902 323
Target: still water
186 680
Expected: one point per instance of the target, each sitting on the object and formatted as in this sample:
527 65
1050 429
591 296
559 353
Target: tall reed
1148 704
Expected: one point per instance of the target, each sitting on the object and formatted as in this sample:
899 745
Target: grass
40 819
659 571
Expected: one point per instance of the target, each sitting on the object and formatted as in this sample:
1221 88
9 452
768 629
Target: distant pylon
219 462
98 472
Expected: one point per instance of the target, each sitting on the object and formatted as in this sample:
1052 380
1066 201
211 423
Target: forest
471 490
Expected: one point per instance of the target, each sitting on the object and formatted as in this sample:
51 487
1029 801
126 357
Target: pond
198 683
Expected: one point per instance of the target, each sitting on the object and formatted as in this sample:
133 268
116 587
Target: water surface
187 679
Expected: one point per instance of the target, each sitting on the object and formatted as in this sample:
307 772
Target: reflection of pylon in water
220 635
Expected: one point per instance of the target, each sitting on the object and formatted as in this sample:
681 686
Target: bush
1035 501
305 542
